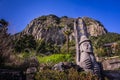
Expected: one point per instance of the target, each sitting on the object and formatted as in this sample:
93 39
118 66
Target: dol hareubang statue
87 58
84 52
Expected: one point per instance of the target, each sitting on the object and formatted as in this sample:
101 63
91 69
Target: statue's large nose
87 46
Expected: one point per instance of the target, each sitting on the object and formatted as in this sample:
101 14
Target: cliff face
94 27
54 29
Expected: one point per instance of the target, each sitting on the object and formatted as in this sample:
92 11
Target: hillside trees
67 33
24 43
109 39
47 48
5 45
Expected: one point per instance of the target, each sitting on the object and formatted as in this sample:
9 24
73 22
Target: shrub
100 52
50 75
70 74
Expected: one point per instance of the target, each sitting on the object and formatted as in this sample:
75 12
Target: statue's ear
81 49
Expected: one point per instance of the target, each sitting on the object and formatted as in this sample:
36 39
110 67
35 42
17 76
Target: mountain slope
52 28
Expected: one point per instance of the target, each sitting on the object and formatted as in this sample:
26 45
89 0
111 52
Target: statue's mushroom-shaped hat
83 39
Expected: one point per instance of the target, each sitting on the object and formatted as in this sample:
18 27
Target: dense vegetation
24 42
5 42
106 45
70 74
28 43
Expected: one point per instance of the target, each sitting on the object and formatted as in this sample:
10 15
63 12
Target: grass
55 58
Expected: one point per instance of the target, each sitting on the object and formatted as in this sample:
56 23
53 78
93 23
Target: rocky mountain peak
53 29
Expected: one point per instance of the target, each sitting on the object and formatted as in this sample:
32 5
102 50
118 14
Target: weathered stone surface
87 58
30 73
66 65
7 74
58 66
112 75
48 29
31 70
94 27
111 64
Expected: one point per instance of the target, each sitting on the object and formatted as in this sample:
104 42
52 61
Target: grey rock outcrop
61 66
58 66
112 75
32 68
94 27
51 28
111 64
9 74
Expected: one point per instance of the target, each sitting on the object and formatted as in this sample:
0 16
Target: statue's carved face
86 47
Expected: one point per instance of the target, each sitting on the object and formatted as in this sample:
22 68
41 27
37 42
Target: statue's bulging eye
85 44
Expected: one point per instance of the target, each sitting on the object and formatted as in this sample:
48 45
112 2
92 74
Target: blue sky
19 13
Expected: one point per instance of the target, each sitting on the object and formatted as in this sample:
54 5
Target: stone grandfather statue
84 52
87 58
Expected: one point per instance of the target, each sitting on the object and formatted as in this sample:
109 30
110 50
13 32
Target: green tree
43 47
3 23
67 33
4 41
24 42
